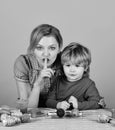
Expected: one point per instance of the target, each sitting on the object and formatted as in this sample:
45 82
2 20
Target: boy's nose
72 69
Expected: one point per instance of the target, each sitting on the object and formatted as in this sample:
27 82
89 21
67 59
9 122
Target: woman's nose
46 53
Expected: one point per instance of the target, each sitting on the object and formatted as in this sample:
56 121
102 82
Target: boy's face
73 72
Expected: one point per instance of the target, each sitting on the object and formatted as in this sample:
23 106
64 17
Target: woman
40 66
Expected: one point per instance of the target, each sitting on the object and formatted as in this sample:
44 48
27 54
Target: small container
113 112
22 105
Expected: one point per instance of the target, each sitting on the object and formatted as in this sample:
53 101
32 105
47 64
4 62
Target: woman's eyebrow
53 44
38 45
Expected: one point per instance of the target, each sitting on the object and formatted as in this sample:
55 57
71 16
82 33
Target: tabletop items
8 120
69 113
103 118
13 116
22 105
106 119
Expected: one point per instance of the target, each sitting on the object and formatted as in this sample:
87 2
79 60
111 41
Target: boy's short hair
77 54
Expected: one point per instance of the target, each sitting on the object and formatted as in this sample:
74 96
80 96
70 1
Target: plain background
90 22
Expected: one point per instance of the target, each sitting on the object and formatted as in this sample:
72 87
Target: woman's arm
26 93
25 90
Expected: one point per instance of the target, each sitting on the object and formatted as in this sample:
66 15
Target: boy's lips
72 74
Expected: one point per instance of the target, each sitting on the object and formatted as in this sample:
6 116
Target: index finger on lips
45 63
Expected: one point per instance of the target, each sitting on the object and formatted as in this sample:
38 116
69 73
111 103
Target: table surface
87 122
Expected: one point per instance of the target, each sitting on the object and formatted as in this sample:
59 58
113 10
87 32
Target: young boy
74 85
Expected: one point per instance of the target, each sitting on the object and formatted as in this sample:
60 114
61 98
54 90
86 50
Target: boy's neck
73 80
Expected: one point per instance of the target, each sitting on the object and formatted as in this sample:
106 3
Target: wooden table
87 122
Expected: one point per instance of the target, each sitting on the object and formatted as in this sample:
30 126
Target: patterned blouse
27 69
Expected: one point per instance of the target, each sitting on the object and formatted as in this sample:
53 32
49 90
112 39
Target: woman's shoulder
22 61
19 59
28 59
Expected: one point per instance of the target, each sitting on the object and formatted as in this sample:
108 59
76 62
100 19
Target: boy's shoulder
88 80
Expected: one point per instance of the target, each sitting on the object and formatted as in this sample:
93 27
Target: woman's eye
52 48
39 48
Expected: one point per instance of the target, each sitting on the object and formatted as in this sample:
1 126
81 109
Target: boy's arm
92 99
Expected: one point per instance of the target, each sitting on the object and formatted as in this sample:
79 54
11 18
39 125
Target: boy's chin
73 80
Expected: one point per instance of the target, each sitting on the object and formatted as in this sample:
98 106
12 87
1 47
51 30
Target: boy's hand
74 101
64 105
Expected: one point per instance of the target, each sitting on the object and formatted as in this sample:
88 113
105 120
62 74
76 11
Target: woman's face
47 48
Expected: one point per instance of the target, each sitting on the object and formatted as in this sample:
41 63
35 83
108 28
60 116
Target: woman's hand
74 101
45 72
64 105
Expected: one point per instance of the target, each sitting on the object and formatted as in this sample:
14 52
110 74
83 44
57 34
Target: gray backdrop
90 22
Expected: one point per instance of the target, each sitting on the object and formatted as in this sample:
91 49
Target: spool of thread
71 106
46 79
46 84
60 113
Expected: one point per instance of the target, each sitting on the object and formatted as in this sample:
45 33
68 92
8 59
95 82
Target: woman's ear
59 50
86 68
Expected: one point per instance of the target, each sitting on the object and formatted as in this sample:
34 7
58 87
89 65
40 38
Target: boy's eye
68 65
77 65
